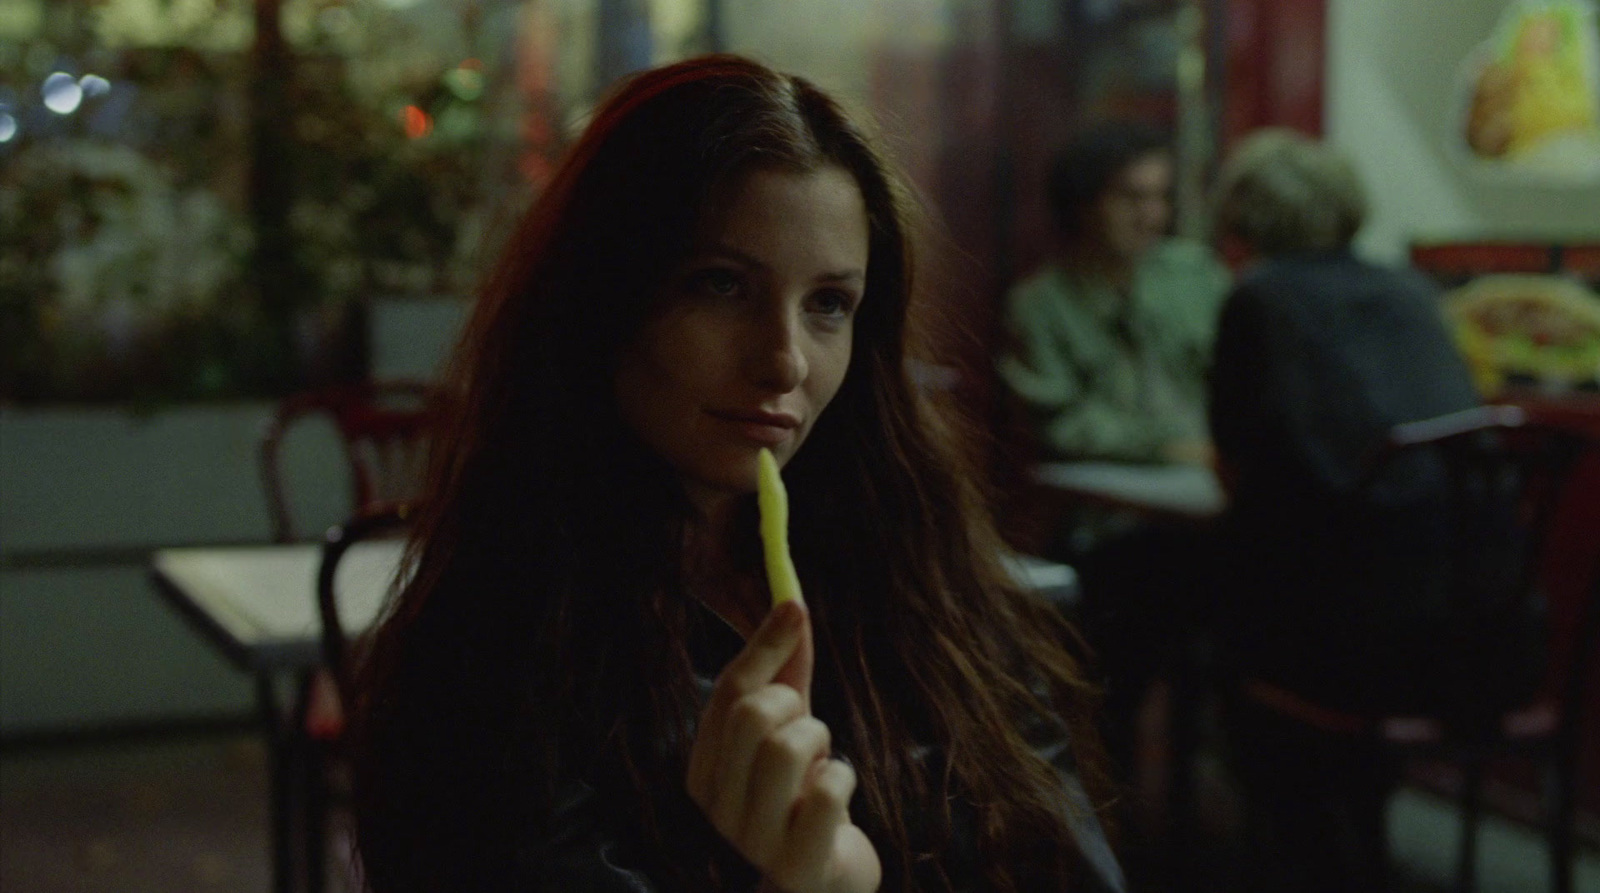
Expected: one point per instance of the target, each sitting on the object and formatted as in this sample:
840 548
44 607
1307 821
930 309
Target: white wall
1392 101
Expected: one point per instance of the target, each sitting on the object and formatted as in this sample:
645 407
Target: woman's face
752 337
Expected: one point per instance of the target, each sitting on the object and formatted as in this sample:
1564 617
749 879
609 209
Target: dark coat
1333 590
479 832
588 857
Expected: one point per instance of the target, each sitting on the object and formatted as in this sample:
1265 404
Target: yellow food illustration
1543 328
1539 83
773 501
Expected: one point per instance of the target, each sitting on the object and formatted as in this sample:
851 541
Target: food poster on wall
1531 94
1527 330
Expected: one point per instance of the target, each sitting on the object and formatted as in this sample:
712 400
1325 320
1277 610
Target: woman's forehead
725 191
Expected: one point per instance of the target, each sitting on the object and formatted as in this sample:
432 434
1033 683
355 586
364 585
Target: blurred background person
1108 343
1319 354
1105 354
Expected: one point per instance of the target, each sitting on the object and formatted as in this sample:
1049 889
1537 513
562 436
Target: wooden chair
1489 453
383 427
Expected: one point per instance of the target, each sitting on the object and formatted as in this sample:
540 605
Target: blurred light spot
416 122
466 83
62 94
8 128
400 4
337 21
94 85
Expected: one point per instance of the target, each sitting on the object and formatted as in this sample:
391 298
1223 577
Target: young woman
582 687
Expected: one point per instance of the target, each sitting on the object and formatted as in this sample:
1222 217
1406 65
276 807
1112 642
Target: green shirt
1106 377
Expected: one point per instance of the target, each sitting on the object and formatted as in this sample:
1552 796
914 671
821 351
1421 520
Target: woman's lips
765 428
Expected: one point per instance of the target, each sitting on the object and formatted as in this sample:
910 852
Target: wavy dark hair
547 583
1082 171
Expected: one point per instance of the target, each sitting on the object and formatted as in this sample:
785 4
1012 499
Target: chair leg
1561 781
305 795
316 818
1187 716
1373 829
280 769
1471 805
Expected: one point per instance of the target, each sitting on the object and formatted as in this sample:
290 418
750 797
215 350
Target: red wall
1274 61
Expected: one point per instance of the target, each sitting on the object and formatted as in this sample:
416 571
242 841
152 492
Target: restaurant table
1190 492
1185 494
258 605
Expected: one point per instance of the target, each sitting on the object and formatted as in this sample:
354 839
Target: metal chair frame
1546 729
323 751
383 427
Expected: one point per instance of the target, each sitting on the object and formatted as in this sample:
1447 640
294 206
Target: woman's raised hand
760 768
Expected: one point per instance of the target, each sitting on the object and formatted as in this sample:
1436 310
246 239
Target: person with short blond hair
1329 589
1281 192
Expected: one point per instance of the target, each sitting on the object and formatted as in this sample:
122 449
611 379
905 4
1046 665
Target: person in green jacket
1107 346
1107 351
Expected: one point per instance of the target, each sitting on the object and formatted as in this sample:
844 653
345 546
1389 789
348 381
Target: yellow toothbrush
774 503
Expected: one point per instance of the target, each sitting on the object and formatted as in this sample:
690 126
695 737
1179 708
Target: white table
1183 491
258 605
1058 583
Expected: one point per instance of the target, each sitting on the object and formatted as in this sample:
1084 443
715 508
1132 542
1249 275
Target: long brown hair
547 586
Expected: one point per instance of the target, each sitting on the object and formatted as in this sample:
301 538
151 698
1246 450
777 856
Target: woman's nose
778 358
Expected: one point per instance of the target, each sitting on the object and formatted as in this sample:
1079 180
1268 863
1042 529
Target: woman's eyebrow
728 252
844 277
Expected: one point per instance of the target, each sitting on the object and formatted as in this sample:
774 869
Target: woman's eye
833 303
722 283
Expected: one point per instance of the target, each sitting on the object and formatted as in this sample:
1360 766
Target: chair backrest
1501 476
383 427
389 521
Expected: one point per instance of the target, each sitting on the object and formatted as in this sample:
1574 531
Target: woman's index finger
767 651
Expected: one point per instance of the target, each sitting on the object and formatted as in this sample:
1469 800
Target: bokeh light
62 94
416 122
94 85
466 80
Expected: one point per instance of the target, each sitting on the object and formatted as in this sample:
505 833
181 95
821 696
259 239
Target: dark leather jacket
585 856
